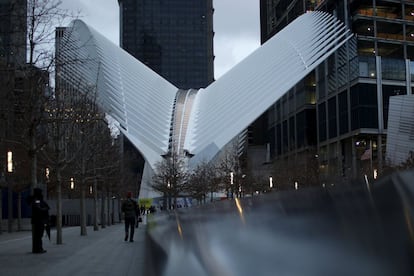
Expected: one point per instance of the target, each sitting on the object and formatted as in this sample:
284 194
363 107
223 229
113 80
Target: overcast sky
236 26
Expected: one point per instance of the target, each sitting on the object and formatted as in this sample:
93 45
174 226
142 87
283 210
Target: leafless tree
71 114
109 168
43 17
201 181
170 178
230 170
301 170
32 21
94 143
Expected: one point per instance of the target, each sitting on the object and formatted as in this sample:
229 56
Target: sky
236 26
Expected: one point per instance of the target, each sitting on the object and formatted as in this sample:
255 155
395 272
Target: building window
278 139
412 70
292 136
300 129
364 106
367 67
285 137
321 81
366 47
391 50
343 112
387 92
393 69
332 117
322 121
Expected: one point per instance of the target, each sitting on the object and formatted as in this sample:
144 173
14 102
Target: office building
338 115
174 38
13 31
12 64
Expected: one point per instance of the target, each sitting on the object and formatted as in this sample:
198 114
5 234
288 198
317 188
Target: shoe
131 240
126 237
39 252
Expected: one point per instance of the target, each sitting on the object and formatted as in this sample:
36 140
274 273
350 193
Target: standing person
130 209
39 220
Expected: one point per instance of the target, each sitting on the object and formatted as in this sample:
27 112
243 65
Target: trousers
129 228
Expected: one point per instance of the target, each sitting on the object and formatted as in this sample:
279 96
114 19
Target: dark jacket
130 208
40 209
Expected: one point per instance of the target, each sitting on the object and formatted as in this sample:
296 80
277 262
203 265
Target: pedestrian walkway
102 252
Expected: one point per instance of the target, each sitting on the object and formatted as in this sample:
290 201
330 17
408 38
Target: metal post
10 207
1 209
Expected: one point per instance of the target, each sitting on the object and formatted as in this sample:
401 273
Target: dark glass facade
276 14
173 37
13 31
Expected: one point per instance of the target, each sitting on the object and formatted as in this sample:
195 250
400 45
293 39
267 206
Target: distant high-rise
276 14
174 38
13 31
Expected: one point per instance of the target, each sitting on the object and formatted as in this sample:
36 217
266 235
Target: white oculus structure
156 116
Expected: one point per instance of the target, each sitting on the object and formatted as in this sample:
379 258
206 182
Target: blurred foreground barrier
354 229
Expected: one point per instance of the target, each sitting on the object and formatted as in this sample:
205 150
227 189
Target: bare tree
170 178
43 17
230 170
93 139
200 182
301 170
109 172
33 21
70 113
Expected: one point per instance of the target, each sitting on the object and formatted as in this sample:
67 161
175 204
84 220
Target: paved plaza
102 252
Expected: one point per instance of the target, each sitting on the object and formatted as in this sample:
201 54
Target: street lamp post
231 184
113 209
169 195
2 184
10 191
242 186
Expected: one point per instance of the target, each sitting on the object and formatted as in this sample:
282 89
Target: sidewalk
102 252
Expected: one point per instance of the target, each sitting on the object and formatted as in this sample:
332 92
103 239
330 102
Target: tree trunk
33 163
95 205
59 208
10 206
82 198
108 216
83 211
1 210
33 159
19 211
112 210
119 210
103 222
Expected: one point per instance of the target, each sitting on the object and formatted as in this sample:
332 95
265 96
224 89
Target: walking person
39 220
130 209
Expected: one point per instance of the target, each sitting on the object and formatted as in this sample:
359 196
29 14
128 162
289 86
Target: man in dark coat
130 209
40 219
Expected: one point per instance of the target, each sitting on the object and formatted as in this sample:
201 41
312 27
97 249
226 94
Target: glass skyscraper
172 37
13 32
